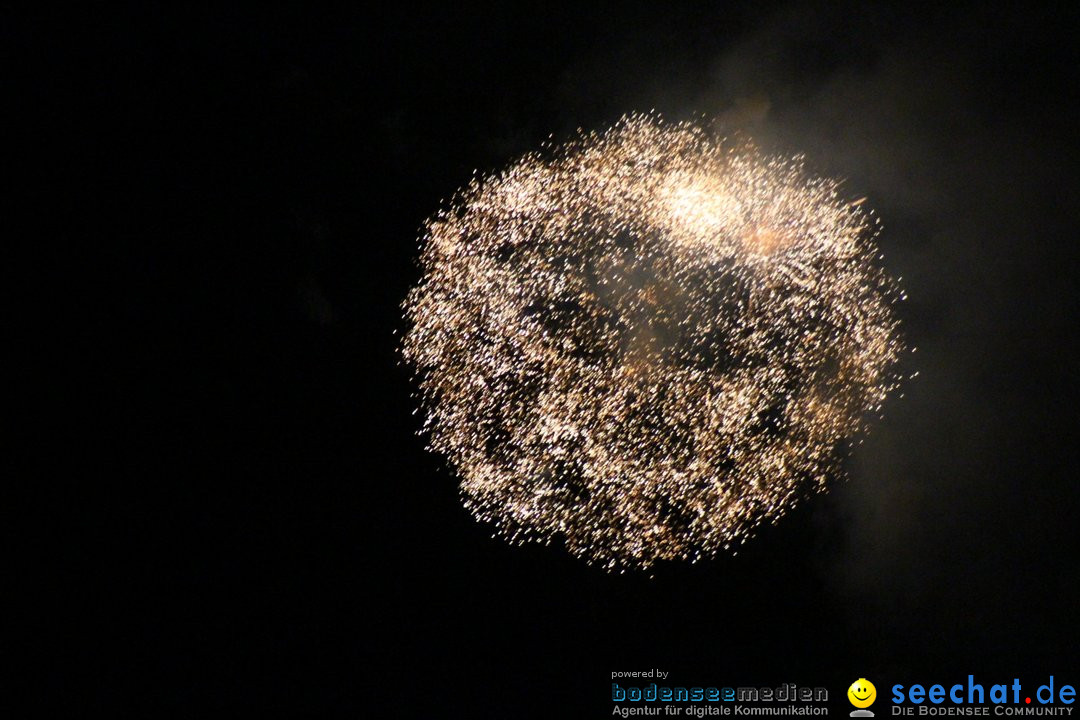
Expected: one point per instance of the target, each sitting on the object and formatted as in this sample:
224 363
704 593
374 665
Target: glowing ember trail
648 342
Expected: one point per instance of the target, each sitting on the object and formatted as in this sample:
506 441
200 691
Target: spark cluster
649 341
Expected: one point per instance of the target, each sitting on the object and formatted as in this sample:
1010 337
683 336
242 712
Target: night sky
240 512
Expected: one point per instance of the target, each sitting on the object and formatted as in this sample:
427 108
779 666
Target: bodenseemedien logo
714 701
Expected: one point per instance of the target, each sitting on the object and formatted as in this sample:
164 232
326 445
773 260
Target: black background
241 514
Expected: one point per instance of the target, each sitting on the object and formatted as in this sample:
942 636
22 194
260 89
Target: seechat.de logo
862 694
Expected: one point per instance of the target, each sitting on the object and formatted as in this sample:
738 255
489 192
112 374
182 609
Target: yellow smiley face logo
862 693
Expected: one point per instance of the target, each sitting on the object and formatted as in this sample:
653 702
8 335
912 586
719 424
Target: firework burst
649 341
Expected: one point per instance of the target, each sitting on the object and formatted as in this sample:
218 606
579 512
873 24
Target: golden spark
648 342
